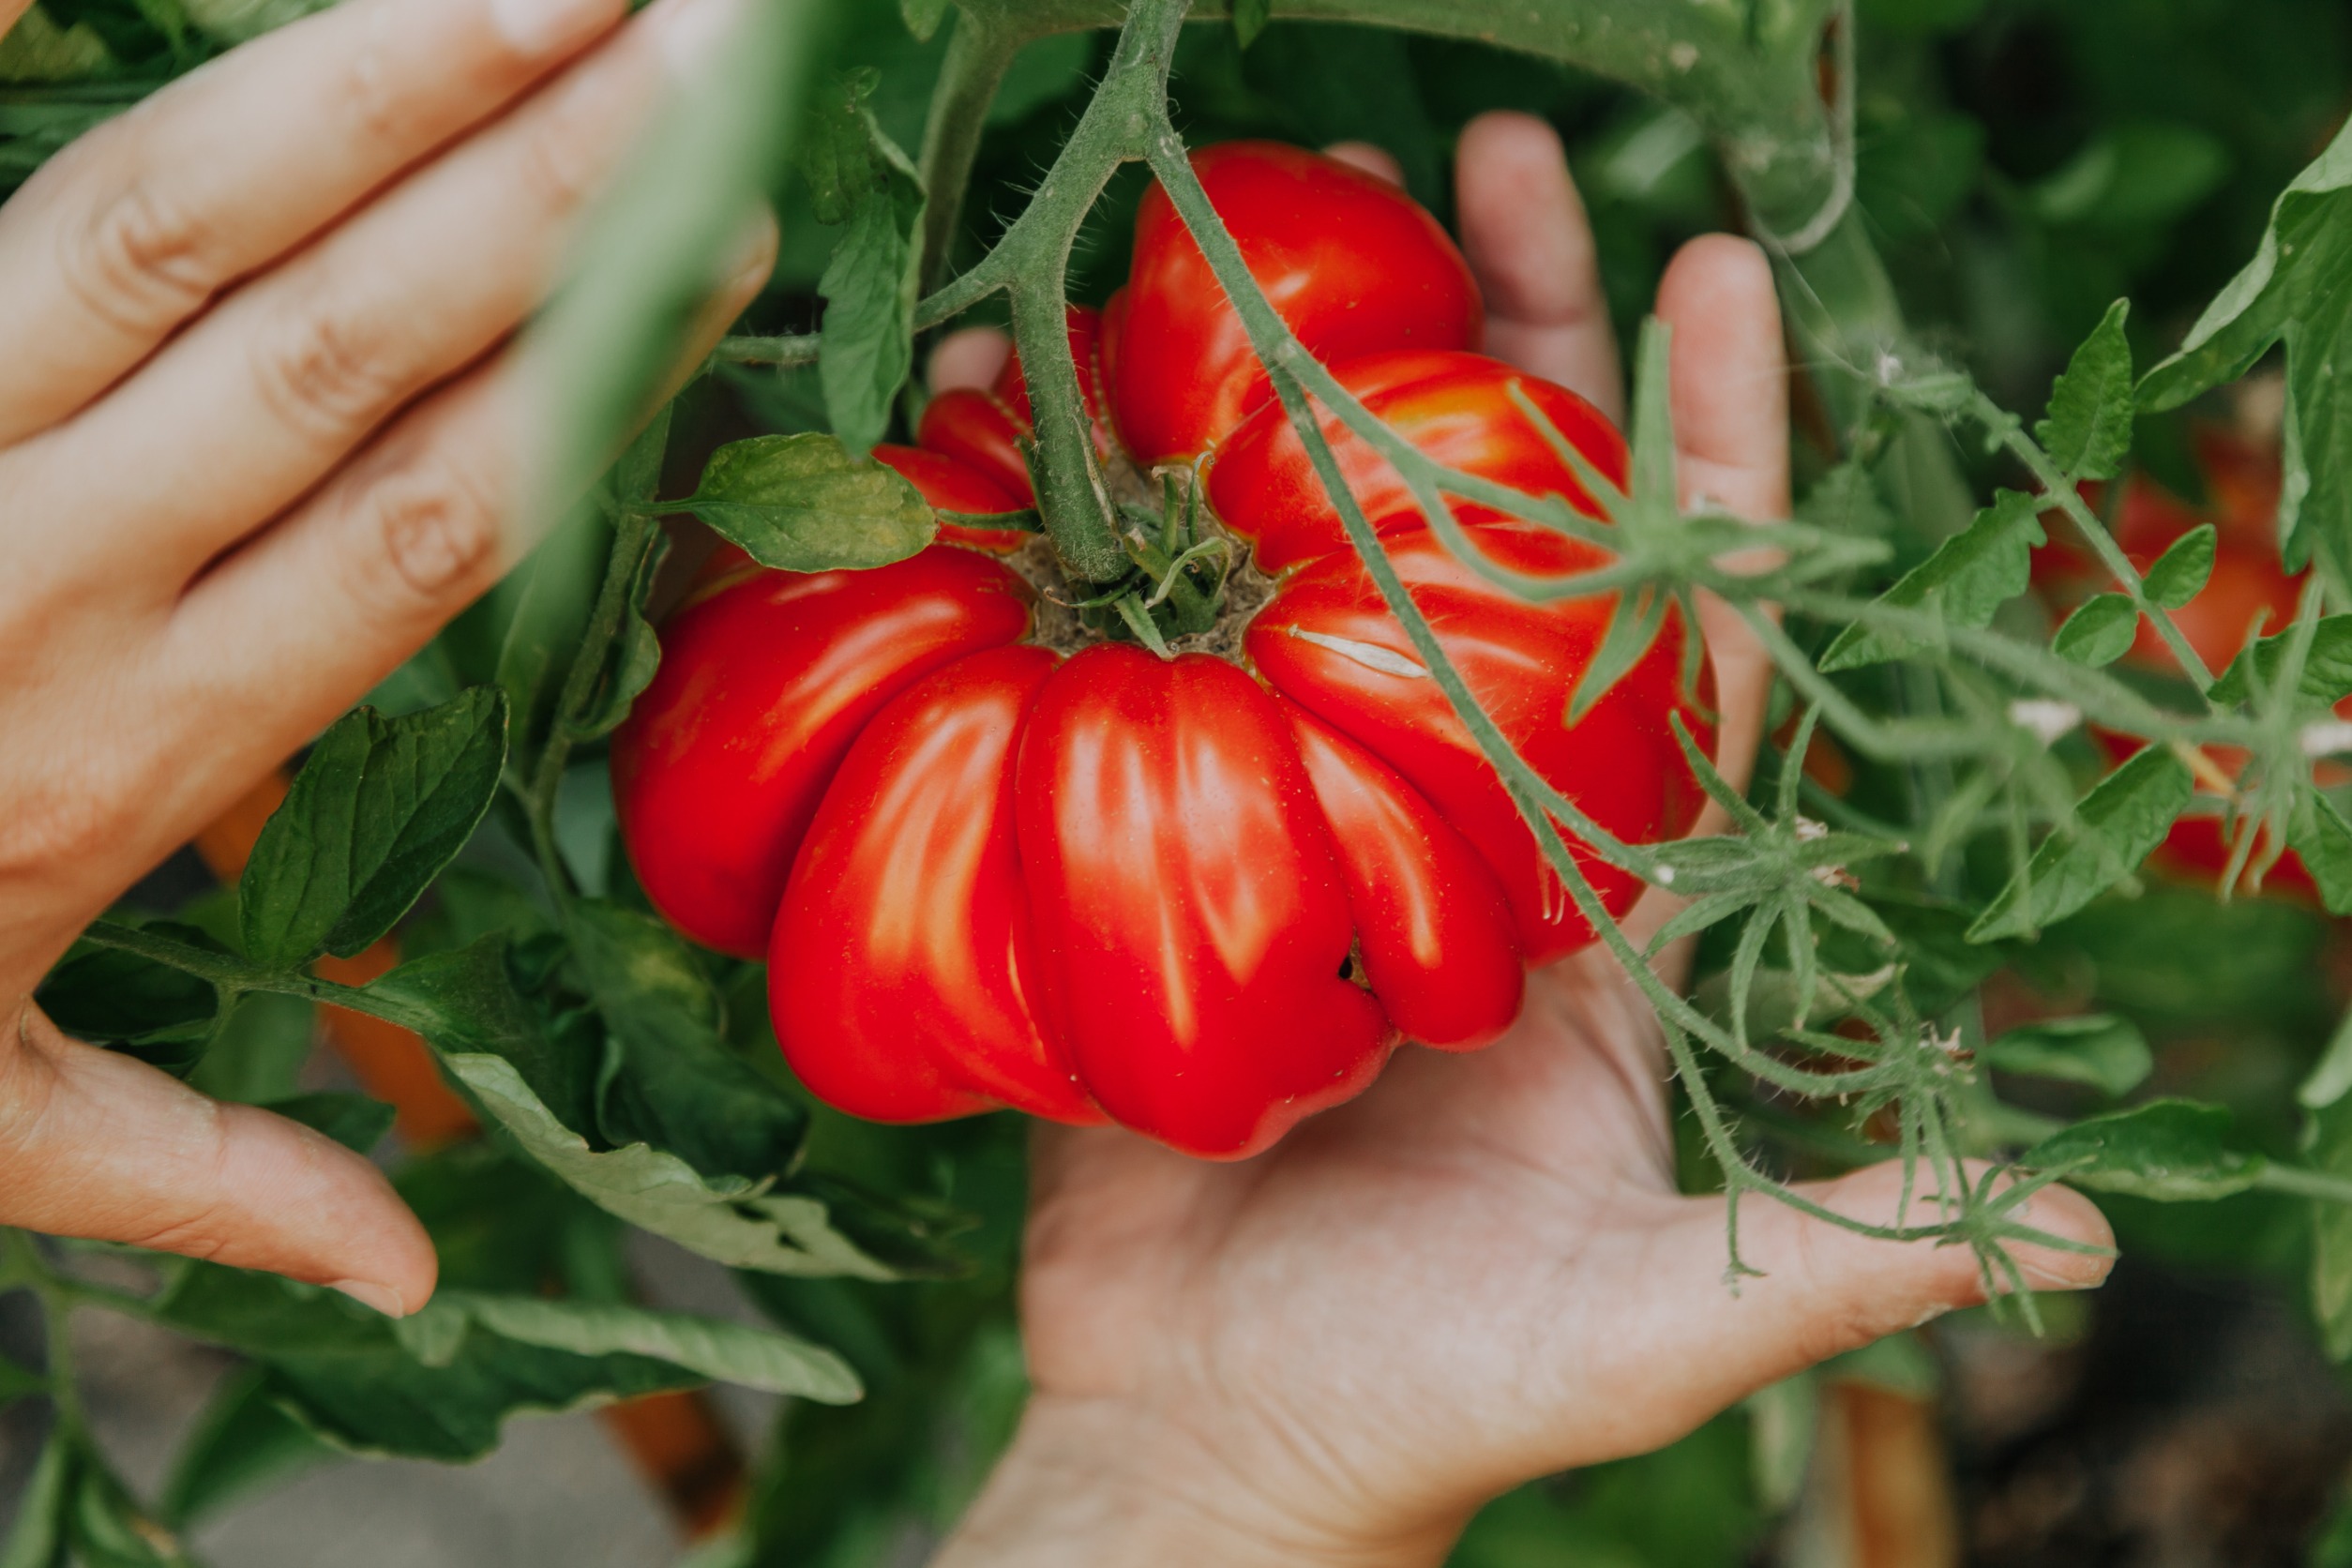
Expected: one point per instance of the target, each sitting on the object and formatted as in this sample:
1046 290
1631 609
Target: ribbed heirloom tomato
1201 896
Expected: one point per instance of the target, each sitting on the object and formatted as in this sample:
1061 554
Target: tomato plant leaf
1971 575
2331 1233
2322 838
2173 1150
923 17
670 1080
2102 1051
129 1004
2298 290
2182 571
2327 677
380 807
2116 825
754 1358
18 1382
244 1440
2099 632
354 1120
802 504
2088 429
110 1528
859 176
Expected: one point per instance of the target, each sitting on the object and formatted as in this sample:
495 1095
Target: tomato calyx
1182 567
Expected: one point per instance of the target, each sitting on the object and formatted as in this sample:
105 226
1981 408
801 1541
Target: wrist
1097 1482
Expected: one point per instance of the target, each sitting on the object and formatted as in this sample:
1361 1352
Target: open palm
1479 1272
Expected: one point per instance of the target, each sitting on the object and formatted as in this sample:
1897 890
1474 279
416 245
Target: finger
1730 381
290 630
247 410
1690 1344
1374 161
98 1145
1525 233
10 11
131 231
971 357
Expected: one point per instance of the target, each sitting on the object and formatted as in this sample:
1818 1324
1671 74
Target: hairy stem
977 54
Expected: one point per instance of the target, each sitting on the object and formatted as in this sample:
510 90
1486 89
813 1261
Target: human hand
1480 1272
259 439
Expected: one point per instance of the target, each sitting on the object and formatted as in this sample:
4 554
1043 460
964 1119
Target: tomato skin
1456 407
1619 763
1190 913
1351 263
763 686
905 919
1431 922
952 485
989 430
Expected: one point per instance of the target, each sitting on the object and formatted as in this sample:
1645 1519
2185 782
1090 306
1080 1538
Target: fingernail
692 31
537 28
2075 1271
368 1293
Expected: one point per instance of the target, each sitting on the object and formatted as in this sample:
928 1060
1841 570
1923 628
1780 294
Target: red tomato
953 486
1456 407
1201 899
991 430
1353 264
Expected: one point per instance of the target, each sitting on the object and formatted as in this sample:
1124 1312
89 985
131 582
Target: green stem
978 53
227 970
785 349
2325 1185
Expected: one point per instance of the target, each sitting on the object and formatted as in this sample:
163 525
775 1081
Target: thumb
94 1144
1824 1290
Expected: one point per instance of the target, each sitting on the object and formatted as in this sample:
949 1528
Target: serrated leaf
2116 825
724 1351
468 1001
1967 579
1847 501
2173 1150
380 807
2089 430
2295 290
2327 677
1249 19
866 341
672 1081
2322 839
354 1120
2102 1051
634 654
2182 571
2099 632
802 504
134 1006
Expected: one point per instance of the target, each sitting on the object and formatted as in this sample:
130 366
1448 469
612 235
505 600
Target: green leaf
2182 571
2099 632
867 337
380 807
1249 19
2331 1076
859 176
244 1440
1969 579
2173 1150
1847 501
256 1053
468 1001
2321 837
2102 1051
672 1081
132 1004
2116 825
109 1528
2296 288
728 1352
354 1120
2089 430
802 504
18 1382
2134 176
2327 677
635 653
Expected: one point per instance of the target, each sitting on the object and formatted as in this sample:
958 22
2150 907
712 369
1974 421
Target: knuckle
559 169
431 528
325 370
143 260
